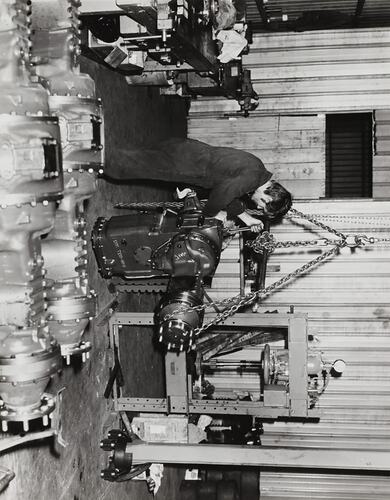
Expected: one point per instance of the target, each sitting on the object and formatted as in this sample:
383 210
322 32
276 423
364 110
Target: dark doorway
349 155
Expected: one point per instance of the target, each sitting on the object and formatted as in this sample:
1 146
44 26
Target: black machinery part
176 329
120 466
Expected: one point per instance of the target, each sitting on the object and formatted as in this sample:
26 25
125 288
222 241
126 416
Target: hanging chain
145 205
250 297
264 241
232 305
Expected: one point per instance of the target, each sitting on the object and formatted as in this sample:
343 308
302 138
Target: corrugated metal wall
347 299
315 71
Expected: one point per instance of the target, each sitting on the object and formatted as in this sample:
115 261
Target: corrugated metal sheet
314 72
347 300
292 147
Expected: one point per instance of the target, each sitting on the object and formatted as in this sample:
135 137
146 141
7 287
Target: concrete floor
133 117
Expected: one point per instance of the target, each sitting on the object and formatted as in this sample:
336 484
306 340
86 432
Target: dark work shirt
226 173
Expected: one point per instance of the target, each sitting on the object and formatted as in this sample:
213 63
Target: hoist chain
249 298
144 205
264 241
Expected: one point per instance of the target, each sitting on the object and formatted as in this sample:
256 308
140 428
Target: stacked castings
71 303
31 183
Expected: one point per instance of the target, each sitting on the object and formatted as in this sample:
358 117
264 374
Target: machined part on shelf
31 160
72 99
21 264
29 358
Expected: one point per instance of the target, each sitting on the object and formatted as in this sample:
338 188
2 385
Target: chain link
249 298
265 241
144 205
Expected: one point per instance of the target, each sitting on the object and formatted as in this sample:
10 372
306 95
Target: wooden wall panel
291 147
315 71
381 157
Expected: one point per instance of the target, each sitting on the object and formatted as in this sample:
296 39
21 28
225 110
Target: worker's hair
281 201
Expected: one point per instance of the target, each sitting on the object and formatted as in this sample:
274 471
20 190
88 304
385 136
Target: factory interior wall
301 77
328 71
133 117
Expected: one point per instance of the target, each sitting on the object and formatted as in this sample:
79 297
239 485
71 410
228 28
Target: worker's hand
251 222
257 228
183 193
222 216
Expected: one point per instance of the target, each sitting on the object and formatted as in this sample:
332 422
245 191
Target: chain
249 298
144 205
267 241
264 241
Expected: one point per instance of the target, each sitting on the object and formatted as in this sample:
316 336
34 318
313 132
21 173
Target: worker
229 175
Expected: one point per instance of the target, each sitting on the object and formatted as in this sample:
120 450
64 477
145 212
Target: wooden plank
321 70
382 115
253 123
382 191
382 129
303 155
331 85
290 139
309 54
343 282
355 101
241 124
381 176
269 41
383 145
301 171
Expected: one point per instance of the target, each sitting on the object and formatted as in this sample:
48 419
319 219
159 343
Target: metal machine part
166 244
172 45
291 384
29 358
31 184
177 332
72 100
183 248
273 369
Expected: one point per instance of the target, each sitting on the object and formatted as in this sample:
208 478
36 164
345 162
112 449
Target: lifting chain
145 205
264 241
